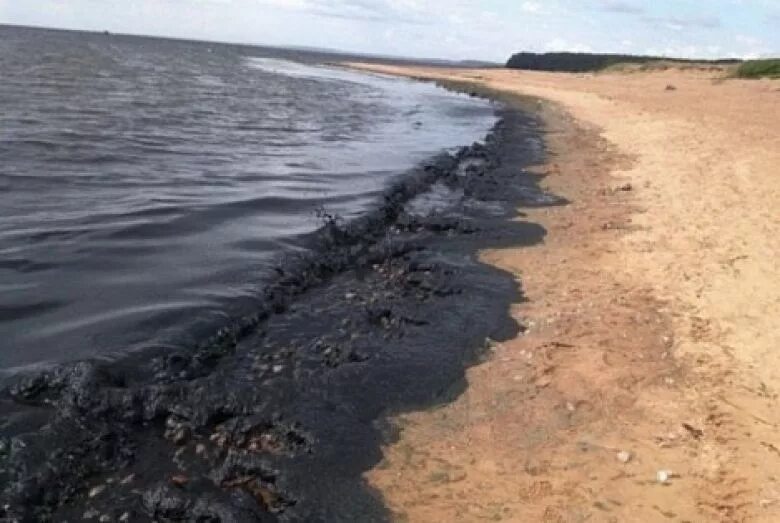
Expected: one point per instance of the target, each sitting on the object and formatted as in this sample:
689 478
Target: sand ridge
653 318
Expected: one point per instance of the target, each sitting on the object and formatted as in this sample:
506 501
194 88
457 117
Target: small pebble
96 491
180 436
278 368
624 456
127 479
180 480
124 517
105 518
663 476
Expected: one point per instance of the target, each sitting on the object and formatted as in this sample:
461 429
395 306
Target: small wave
275 208
318 72
113 316
25 266
18 312
294 69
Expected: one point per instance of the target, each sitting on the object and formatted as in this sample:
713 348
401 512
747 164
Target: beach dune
646 386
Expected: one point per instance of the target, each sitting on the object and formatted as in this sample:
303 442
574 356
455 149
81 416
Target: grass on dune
759 69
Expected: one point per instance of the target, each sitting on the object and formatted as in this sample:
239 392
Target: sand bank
652 317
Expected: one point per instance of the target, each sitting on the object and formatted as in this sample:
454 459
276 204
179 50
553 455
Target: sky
448 29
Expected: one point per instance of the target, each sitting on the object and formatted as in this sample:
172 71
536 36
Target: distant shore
645 387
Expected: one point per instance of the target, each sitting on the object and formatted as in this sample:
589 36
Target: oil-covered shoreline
277 416
146 207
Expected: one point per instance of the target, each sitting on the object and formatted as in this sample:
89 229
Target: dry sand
653 315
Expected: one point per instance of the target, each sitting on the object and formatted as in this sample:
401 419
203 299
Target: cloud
563 45
379 11
748 40
621 7
416 12
673 22
532 7
679 23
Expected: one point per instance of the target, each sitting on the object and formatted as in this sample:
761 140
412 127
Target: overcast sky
459 29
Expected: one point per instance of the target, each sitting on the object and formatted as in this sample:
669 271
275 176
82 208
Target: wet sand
652 313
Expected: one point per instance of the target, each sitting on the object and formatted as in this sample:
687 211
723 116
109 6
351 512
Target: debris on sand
663 476
693 431
180 480
96 491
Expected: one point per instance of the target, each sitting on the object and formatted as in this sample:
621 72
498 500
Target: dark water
148 186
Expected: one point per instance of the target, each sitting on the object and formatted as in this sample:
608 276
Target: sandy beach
646 385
